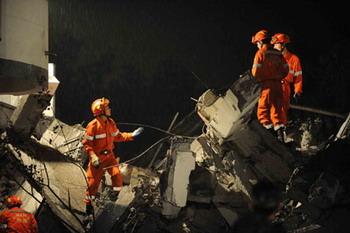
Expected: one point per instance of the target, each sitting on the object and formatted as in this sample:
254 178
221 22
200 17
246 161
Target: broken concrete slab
6 111
230 215
180 165
108 215
28 113
60 182
65 138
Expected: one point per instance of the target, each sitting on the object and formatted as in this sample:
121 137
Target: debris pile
201 184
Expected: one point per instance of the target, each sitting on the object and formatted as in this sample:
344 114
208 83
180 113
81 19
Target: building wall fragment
180 165
239 148
28 113
23 46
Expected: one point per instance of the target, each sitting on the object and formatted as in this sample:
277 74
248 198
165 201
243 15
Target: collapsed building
199 183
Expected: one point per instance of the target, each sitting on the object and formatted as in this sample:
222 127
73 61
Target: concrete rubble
202 183
180 164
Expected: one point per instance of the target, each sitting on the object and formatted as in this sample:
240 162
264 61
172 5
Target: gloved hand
297 97
137 131
95 161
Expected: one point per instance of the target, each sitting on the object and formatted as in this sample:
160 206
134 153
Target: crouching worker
100 135
16 219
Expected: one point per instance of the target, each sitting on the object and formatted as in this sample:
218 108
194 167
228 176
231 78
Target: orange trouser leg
286 101
263 112
94 176
277 113
116 177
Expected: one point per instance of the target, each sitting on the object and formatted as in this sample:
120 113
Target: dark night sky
140 54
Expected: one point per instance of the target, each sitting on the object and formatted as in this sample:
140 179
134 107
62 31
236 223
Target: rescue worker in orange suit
269 68
295 75
100 135
15 219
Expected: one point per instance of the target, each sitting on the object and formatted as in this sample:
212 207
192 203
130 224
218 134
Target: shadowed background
141 54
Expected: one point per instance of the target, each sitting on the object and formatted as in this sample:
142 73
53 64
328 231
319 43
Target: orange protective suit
99 138
294 77
269 68
18 221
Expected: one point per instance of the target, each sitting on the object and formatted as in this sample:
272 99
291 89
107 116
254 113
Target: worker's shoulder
92 123
272 51
290 54
18 210
294 57
111 120
259 52
4 212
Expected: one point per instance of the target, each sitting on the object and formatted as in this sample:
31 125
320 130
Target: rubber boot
89 210
280 135
88 219
272 132
113 196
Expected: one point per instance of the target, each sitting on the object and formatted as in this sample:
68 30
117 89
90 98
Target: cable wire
156 128
148 149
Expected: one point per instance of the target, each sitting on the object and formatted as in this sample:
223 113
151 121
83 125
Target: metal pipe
315 110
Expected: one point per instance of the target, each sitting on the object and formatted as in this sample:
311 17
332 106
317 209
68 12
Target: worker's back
18 221
269 64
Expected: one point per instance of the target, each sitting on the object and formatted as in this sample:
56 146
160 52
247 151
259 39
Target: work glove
297 97
137 131
95 161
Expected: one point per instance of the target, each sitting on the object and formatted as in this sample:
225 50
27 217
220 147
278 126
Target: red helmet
259 36
99 106
280 38
13 201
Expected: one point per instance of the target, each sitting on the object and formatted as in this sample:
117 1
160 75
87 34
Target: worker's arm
133 134
257 66
34 225
120 136
88 143
88 140
3 217
3 222
298 76
123 136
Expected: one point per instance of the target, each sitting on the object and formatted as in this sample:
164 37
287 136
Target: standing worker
15 219
295 75
269 68
100 135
